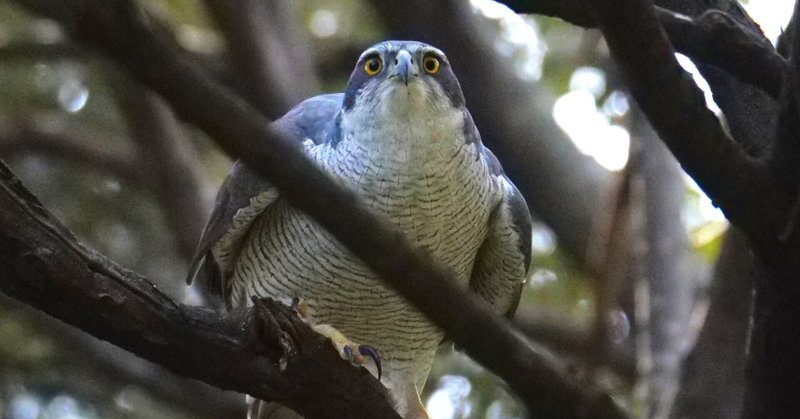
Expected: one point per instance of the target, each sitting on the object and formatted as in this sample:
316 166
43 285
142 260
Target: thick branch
786 149
741 186
713 38
749 111
42 265
111 368
118 29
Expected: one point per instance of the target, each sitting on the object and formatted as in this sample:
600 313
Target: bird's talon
371 352
348 353
364 351
301 308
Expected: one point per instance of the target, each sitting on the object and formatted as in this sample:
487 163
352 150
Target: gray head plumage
420 67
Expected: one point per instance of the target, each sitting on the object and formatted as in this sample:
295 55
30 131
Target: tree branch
754 196
26 50
118 28
22 139
741 186
111 369
713 384
267 75
713 38
786 149
670 285
164 160
750 113
161 168
42 265
569 337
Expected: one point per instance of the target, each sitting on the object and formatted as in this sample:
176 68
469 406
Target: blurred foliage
122 219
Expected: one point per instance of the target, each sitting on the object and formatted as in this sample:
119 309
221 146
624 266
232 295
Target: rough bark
773 369
97 371
277 357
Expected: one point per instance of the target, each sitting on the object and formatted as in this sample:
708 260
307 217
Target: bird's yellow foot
356 353
302 309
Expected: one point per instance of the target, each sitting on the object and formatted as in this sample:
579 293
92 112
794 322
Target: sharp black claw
348 352
371 352
295 303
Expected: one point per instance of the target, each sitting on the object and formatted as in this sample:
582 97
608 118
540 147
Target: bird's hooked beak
403 67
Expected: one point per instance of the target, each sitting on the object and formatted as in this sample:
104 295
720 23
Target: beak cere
403 66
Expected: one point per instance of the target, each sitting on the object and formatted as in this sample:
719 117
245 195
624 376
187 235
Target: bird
401 137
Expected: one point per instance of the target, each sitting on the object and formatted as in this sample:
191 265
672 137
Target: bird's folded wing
244 195
504 258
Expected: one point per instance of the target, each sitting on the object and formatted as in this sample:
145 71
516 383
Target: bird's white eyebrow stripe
389 47
379 49
367 53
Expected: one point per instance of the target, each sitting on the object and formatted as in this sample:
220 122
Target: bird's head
401 77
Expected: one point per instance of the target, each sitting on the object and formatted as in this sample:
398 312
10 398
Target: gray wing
503 260
244 195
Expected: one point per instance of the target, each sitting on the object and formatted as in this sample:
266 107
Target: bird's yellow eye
373 66
430 64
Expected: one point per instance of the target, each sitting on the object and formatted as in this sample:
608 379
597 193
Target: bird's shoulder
315 119
244 194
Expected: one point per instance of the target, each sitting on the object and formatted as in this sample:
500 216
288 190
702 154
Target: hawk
402 138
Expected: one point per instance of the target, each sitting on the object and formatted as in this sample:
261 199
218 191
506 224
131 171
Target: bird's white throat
413 119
